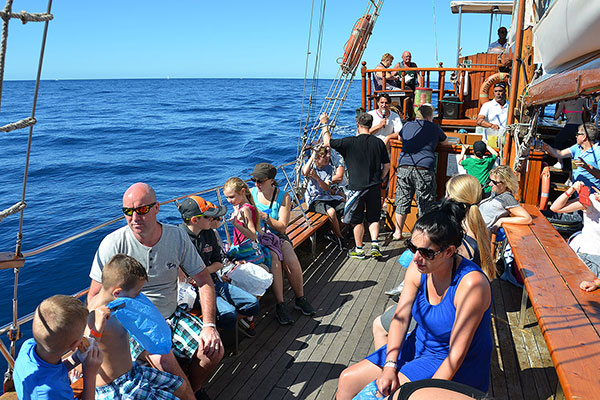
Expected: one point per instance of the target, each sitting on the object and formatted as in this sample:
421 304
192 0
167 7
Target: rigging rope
24 123
12 210
306 71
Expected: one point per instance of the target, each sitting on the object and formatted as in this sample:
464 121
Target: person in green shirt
479 166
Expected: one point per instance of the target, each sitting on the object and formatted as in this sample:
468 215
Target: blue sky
208 39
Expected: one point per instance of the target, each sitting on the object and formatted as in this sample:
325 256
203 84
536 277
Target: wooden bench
569 318
299 229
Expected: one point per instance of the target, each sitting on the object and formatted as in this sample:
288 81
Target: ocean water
94 138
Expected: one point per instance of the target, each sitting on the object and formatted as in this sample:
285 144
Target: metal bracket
9 260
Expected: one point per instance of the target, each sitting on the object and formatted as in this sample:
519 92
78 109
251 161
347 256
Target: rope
26 17
12 210
24 123
7 10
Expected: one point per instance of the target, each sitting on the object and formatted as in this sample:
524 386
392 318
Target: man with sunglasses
162 249
585 154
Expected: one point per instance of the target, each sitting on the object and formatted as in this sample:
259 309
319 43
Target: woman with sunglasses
450 299
502 207
464 189
274 208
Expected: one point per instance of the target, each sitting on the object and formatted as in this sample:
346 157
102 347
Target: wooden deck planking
303 361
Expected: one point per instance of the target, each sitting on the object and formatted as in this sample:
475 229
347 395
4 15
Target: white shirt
495 45
495 113
393 125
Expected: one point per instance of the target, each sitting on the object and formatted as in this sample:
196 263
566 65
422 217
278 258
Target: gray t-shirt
497 206
173 250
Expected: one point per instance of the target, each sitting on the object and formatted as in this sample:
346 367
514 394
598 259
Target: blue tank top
434 327
274 213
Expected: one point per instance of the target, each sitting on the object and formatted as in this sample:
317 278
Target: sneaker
331 237
375 252
246 327
283 315
396 290
303 306
357 253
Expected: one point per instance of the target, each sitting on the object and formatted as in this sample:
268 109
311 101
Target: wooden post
441 84
363 88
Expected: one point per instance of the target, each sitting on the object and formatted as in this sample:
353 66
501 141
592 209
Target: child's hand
92 363
588 286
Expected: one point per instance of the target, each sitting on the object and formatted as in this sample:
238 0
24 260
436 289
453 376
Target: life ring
545 187
486 91
356 43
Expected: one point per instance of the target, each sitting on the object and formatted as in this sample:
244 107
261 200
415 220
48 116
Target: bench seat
569 318
299 229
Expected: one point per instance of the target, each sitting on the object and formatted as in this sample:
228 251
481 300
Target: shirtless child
118 377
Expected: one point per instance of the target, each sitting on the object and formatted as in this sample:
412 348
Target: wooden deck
304 360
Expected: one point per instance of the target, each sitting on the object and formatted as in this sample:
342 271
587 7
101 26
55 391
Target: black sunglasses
495 182
141 210
258 180
427 254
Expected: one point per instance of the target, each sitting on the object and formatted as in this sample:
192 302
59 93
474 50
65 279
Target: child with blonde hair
58 326
245 218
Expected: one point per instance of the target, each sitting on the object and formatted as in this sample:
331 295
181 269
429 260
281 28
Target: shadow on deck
304 360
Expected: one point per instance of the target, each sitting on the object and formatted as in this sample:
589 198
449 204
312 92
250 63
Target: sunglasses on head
141 210
427 254
258 180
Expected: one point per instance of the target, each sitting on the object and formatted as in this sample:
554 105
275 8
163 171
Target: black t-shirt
207 245
364 155
419 140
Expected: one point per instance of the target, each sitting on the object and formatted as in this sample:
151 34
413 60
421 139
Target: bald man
162 249
412 78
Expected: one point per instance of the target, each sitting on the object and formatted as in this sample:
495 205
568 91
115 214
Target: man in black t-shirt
367 162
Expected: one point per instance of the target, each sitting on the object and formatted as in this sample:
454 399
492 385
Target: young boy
124 276
40 372
198 215
479 166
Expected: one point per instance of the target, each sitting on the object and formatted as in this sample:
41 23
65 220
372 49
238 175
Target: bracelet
569 194
95 334
390 364
208 325
597 282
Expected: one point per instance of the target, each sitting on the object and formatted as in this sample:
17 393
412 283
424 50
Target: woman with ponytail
449 297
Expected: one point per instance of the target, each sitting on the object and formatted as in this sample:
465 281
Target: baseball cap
264 171
195 206
479 147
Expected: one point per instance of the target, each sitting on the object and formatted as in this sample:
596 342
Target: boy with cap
197 215
119 377
479 166
40 372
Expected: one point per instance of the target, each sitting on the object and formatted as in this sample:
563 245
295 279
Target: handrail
432 69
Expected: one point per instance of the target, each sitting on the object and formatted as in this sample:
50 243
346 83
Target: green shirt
480 168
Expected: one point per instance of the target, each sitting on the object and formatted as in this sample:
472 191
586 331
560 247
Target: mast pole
459 25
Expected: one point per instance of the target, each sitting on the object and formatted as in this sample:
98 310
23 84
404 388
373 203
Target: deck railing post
363 88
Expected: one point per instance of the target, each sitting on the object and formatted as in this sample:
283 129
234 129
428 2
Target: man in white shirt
494 113
499 45
386 123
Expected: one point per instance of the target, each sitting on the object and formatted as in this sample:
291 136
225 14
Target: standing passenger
386 123
416 165
368 163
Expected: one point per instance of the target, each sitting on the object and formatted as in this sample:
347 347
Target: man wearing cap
162 249
197 215
494 113
368 163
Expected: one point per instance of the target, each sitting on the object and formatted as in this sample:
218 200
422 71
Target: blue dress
428 344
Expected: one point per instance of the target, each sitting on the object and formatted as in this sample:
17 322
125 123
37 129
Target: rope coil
12 210
26 17
24 123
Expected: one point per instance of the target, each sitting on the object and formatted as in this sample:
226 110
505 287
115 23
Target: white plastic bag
186 295
251 278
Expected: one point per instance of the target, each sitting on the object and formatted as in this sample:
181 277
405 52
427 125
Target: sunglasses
495 182
141 210
427 254
258 180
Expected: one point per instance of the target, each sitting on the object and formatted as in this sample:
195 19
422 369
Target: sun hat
264 171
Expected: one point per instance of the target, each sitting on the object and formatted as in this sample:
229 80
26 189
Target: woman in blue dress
449 297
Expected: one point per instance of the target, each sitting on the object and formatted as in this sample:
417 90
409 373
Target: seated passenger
584 243
274 207
118 377
233 303
391 78
412 79
450 299
320 196
465 190
39 372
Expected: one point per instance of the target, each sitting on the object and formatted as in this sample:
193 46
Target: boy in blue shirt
40 372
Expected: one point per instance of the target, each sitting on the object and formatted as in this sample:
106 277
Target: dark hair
443 223
387 97
365 120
